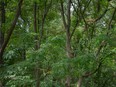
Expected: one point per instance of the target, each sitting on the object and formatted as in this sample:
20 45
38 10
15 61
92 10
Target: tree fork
5 43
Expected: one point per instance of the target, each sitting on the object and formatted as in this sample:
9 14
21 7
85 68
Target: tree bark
37 45
35 27
41 33
44 15
2 4
79 82
67 25
5 43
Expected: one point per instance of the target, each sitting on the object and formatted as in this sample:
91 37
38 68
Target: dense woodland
57 43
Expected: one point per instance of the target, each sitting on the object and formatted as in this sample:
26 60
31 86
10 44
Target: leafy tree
57 43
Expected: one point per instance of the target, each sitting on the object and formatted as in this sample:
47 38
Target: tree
58 43
10 30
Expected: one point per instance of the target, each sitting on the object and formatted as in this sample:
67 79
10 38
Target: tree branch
11 28
62 14
109 26
46 10
87 74
76 21
101 16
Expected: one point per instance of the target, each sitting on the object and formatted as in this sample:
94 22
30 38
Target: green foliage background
51 58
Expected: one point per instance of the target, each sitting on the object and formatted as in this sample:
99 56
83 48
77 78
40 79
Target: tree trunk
2 4
79 82
41 33
4 45
67 25
1 43
37 46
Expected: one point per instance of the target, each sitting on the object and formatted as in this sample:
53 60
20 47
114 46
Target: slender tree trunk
35 26
79 82
41 34
2 4
1 43
4 45
44 15
67 25
23 54
2 19
37 46
1 84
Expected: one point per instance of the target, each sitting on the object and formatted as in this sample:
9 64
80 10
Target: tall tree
10 30
40 29
67 25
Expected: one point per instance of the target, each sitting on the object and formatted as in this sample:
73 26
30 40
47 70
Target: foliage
93 44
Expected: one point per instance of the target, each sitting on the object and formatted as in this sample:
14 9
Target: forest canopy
57 43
